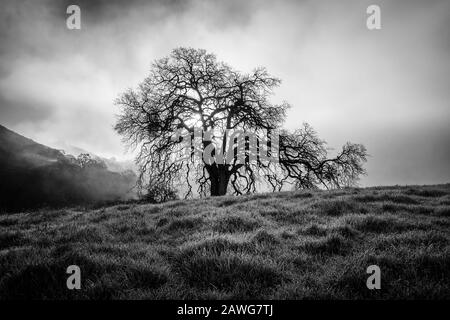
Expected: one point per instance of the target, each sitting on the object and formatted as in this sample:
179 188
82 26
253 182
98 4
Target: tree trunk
219 183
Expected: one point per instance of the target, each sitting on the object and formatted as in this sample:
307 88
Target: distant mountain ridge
39 154
25 149
34 175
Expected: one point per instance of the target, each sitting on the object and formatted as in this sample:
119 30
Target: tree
159 193
85 161
191 92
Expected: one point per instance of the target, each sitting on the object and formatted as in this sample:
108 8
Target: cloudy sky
388 89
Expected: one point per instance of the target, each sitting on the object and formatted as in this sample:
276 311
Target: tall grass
290 245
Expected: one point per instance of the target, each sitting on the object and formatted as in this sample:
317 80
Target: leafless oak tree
191 90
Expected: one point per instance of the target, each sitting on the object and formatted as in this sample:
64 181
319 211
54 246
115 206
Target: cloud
387 88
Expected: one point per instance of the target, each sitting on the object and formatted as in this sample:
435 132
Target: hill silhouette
34 175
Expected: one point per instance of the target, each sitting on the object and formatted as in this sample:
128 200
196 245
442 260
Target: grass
289 245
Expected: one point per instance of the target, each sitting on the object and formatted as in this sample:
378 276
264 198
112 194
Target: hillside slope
33 175
291 245
20 151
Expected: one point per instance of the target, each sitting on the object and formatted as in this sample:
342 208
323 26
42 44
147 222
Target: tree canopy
191 94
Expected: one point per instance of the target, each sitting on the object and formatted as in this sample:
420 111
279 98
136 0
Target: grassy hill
290 245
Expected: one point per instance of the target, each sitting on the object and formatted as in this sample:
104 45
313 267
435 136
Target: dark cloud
217 13
107 11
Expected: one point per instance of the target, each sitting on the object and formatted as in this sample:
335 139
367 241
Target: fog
387 89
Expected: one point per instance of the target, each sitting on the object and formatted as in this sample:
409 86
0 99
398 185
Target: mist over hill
34 175
112 163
